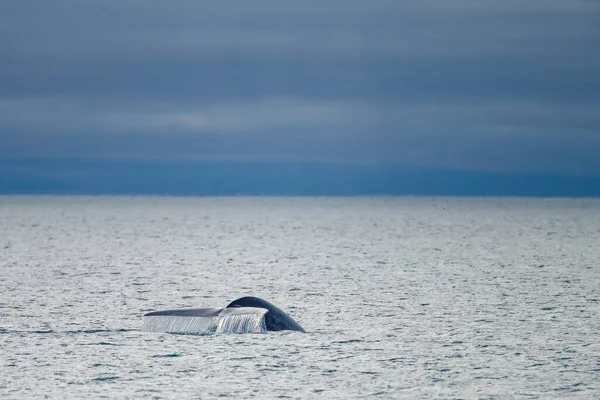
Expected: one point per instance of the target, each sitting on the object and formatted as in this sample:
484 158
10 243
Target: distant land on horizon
97 177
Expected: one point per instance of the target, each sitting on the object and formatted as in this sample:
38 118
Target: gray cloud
86 29
509 85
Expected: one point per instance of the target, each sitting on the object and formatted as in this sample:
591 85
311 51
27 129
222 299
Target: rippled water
493 298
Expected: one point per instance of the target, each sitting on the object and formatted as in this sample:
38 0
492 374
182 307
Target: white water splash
230 320
242 320
180 324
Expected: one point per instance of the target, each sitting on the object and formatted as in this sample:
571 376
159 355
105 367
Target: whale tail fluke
245 315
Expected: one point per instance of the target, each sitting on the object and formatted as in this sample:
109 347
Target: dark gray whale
247 314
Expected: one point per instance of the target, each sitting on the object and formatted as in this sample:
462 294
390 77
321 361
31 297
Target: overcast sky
475 85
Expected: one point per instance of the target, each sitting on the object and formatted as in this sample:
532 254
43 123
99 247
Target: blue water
490 298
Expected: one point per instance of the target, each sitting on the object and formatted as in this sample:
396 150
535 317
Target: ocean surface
401 297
